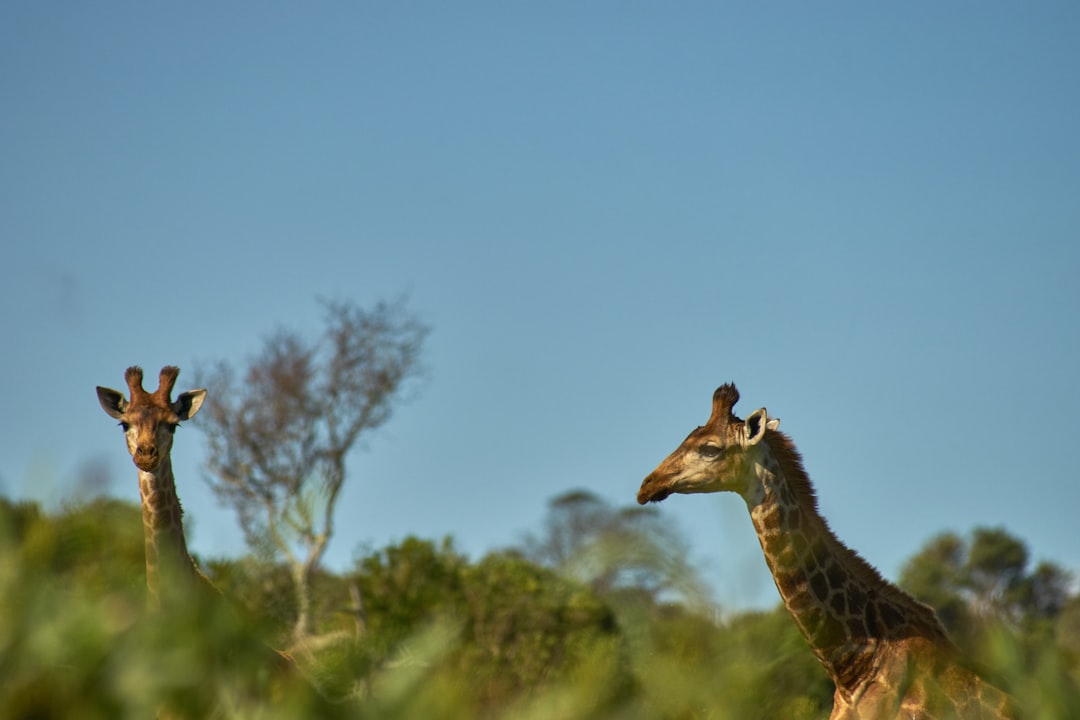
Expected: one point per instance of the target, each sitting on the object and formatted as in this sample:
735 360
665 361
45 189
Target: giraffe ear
756 425
188 403
112 402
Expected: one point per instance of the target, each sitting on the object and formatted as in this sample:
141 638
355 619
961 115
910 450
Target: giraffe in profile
887 654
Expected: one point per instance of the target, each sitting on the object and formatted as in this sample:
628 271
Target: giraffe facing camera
149 421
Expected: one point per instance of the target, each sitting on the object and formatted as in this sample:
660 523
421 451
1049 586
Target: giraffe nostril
147 461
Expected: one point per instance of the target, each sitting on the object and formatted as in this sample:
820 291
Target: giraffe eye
124 426
710 452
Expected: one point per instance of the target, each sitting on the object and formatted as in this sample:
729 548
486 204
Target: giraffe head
150 419
714 456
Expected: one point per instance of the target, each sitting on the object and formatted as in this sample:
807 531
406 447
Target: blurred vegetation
594 617
1017 623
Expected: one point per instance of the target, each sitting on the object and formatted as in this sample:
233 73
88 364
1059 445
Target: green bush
439 636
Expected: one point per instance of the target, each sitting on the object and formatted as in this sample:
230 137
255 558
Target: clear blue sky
869 219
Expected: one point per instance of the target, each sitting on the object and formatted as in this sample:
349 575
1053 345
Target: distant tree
1046 592
985 579
937 576
995 573
280 436
614 549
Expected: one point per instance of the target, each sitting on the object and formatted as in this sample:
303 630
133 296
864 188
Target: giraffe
149 421
887 654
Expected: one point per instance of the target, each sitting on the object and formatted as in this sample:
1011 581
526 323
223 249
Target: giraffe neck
846 611
168 563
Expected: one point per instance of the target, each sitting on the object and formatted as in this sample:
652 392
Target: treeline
597 615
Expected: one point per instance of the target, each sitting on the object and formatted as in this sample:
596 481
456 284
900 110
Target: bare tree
278 440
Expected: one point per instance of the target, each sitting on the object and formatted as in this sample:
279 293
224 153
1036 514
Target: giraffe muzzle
146 460
653 489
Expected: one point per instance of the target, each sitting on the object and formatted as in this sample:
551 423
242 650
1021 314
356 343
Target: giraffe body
888 654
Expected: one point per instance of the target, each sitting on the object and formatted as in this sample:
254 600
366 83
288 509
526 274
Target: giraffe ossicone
888 654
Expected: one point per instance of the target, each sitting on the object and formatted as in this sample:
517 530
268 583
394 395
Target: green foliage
264 591
511 630
1040 675
526 629
407 585
96 545
1067 629
76 638
984 581
440 635
1018 625
754 665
